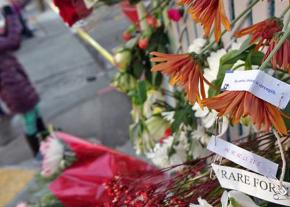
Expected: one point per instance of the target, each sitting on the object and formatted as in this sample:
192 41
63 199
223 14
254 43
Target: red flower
167 133
72 10
262 32
238 104
208 12
152 21
126 36
281 59
143 43
174 14
184 71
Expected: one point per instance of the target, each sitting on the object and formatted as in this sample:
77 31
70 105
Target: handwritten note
243 157
260 84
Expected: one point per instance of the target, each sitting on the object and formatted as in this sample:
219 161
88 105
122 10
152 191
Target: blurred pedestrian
18 6
16 90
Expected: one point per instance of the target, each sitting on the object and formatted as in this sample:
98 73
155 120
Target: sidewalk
59 64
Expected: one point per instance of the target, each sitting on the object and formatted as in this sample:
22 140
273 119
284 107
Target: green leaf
183 115
137 69
253 58
248 54
139 95
234 203
157 79
246 44
132 43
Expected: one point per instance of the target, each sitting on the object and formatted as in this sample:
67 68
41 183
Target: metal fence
185 31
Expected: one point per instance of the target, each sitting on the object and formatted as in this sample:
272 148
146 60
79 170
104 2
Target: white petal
225 199
242 199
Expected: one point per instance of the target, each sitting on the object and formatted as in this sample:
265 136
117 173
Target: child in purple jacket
16 90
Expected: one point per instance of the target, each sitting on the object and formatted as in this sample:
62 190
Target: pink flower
52 151
174 14
22 204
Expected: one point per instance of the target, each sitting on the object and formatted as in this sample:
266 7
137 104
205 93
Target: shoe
33 143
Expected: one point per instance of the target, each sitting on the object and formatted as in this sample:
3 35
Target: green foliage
139 94
247 54
183 113
158 41
140 63
234 203
136 130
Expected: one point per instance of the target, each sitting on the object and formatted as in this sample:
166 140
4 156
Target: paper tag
252 184
260 84
90 3
243 157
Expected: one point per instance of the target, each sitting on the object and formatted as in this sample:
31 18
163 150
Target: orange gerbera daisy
208 12
281 59
262 32
238 104
183 71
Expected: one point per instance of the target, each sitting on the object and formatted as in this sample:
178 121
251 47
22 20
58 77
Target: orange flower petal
183 71
208 13
238 104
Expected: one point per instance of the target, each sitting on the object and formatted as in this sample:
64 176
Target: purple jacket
16 90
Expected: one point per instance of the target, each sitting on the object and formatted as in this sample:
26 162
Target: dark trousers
34 127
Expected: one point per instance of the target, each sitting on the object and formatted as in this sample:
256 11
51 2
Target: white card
260 84
90 3
252 184
243 157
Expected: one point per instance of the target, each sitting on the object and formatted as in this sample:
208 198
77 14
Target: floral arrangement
173 121
179 102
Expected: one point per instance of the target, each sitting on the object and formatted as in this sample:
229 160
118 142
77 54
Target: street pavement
60 64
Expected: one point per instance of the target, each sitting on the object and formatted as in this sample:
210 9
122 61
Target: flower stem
245 12
142 16
276 48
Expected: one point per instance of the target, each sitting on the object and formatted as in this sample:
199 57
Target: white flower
180 155
242 199
207 117
214 64
152 97
160 154
156 127
199 134
202 203
197 45
52 151
169 116
197 150
22 204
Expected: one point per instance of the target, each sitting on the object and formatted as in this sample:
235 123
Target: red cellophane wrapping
82 184
72 11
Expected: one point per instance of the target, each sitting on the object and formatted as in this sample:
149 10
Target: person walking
16 90
18 6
